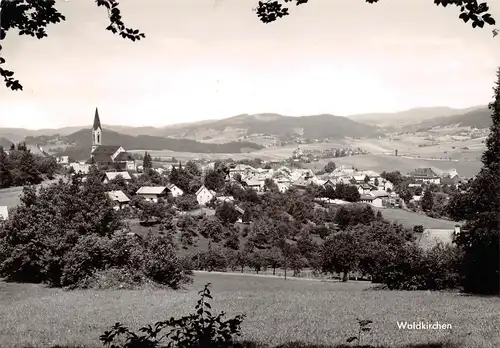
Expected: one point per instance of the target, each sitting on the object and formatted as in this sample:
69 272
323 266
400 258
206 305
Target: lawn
410 219
277 311
10 196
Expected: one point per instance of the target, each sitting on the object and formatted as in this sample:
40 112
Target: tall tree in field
479 206
330 167
427 201
147 162
5 176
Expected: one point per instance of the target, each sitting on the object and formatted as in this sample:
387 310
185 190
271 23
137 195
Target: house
364 198
426 175
450 181
63 160
119 199
152 193
241 169
366 188
79 167
108 156
283 187
330 183
255 185
175 191
204 195
359 178
225 199
108 176
4 212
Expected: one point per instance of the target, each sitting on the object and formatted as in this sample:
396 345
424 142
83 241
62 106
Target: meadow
277 312
10 197
382 162
410 219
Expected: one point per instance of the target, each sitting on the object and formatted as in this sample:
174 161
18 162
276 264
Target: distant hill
312 127
480 118
81 143
5 143
410 117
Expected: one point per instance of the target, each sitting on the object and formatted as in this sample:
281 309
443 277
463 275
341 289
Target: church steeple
96 132
97 121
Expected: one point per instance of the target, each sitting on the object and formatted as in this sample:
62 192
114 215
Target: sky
212 59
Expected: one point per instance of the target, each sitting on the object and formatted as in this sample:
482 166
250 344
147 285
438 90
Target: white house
63 160
175 191
282 187
108 176
255 185
80 167
204 195
119 199
152 193
4 212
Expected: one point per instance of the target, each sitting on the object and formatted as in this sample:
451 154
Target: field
381 162
10 197
410 219
441 157
277 311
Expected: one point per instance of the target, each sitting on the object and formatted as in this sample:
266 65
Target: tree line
21 167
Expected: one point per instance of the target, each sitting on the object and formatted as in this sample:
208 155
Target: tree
341 254
270 11
394 178
376 182
5 176
147 162
427 201
215 179
479 206
366 179
226 213
330 167
210 227
192 168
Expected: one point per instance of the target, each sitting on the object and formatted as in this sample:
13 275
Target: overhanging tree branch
31 17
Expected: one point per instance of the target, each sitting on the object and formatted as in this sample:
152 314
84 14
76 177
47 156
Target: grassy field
10 197
277 312
410 219
381 162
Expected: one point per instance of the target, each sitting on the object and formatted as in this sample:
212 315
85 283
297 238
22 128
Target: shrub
200 329
415 269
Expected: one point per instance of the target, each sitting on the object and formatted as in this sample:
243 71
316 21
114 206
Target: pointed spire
97 121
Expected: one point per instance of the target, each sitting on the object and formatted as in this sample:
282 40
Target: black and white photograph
249 174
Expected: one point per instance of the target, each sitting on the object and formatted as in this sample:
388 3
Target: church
108 157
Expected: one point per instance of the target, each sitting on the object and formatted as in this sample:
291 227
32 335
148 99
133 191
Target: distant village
371 186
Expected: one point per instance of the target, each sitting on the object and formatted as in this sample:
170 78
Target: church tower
96 131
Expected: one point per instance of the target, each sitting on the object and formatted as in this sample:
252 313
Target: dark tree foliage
470 10
215 179
21 167
226 213
32 18
427 201
479 205
147 162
